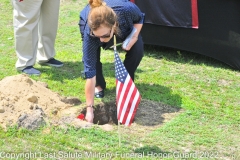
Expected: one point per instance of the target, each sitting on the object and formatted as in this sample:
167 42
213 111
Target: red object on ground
81 116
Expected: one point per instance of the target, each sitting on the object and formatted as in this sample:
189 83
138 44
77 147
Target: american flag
127 95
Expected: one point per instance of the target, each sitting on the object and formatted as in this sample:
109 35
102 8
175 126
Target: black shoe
99 94
31 71
52 62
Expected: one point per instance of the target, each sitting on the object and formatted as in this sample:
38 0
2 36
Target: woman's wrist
89 108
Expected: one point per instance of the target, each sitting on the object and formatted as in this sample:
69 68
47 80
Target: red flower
81 116
20 0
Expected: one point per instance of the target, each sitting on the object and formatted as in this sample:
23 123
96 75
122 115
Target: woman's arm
89 93
138 19
134 37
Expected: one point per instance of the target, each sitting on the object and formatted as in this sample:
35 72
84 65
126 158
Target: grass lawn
205 89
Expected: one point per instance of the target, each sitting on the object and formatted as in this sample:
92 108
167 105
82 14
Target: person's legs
48 25
100 81
134 57
25 21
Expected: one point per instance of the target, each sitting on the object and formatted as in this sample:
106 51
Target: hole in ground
104 113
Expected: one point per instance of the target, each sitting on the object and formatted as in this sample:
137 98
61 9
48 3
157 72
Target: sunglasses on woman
103 36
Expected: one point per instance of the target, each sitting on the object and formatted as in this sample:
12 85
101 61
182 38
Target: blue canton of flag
121 72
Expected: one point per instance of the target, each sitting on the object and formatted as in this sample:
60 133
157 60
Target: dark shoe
31 71
52 62
99 94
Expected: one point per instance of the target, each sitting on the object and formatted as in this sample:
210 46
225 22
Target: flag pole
114 44
119 136
115 50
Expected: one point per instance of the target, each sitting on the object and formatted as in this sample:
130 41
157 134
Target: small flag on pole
127 95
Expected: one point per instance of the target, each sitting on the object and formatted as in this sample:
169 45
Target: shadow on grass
153 92
184 57
159 93
70 70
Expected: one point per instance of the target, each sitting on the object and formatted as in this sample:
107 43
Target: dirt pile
20 97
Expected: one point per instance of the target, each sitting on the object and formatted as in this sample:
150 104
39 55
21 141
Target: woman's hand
133 36
131 43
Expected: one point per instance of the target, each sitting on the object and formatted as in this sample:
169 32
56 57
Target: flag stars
121 72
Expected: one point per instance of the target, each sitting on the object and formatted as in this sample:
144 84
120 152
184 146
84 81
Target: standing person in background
35 28
99 21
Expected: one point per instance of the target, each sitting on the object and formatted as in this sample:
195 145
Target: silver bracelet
91 106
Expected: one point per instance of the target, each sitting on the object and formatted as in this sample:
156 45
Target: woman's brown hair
101 14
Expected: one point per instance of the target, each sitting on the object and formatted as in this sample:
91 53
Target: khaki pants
35 28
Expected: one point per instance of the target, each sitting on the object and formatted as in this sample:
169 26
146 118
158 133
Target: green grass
207 90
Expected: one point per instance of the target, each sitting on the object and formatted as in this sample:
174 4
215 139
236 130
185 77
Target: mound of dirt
21 97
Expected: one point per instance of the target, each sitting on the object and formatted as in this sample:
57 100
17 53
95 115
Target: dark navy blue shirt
128 14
